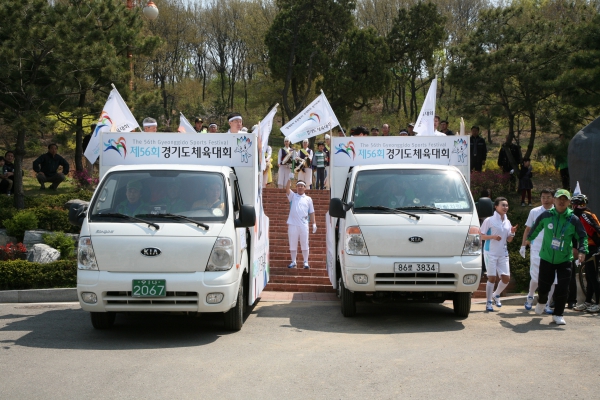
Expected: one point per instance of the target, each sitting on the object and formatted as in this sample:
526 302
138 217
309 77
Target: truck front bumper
456 274
184 291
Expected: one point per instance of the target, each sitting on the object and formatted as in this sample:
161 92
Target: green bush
63 243
19 274
54 219
21 221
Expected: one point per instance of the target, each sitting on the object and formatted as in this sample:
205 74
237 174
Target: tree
412 43
303 38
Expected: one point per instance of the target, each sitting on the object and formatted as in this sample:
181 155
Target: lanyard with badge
558 242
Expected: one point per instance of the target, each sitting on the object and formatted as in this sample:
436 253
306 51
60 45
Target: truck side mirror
336 208
247 217
485 207
77 213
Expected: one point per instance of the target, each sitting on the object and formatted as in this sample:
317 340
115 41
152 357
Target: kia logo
151 252
415 239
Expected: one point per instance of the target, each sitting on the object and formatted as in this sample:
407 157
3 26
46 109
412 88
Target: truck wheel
234 318
347 299
103 320
462 304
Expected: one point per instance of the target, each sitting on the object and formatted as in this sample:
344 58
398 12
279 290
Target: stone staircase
282 278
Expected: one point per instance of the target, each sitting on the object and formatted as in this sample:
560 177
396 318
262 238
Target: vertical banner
425 125
330 242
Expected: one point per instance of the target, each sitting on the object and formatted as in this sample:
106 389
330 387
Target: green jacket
567 228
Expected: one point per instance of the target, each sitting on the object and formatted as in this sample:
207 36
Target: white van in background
402 232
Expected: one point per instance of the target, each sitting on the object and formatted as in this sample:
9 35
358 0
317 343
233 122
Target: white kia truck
175 225
403 226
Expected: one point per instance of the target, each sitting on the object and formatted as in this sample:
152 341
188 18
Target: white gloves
314 228
291 176
512 171
522 251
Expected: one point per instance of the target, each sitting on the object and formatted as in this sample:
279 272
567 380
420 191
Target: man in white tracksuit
284 169
547 198
301 212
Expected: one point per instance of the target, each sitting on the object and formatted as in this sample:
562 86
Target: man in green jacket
560 228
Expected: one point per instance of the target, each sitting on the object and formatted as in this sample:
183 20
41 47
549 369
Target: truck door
333 236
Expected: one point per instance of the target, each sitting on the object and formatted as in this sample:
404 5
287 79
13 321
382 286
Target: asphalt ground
299 350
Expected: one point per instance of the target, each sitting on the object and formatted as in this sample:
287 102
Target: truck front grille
416 278
171 298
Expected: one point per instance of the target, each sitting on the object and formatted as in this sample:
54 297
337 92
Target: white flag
264 131
462 127
577 189
425 125
184 125
115 117
314 120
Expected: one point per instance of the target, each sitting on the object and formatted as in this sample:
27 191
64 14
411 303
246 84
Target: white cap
305 141
286 139
327 136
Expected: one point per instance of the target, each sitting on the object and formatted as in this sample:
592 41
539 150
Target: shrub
60 241
54 219
22 221
19 274
496 181
13 252
83 180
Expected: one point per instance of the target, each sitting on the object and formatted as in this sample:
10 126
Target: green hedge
19 274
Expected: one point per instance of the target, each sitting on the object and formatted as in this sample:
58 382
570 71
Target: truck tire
234 318
347 299
103 320
462 304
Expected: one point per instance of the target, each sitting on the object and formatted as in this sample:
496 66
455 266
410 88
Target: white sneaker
558 320
548 310
529 303
539 308
496 299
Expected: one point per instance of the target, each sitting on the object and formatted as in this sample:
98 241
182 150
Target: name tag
556 244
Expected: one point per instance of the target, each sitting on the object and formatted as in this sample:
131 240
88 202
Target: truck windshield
406 189
199 196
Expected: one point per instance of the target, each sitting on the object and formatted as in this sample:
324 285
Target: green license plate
149 288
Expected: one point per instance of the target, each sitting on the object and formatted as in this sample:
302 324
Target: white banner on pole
317 118
115 117
264 131
184 125
425 123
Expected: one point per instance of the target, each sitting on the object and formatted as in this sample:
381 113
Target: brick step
317 261
285 271
294 287
304 280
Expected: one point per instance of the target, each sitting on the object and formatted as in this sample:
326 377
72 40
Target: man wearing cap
284 169
212 128
235 122
134 204
46 168
302 212
198 124
559 228
150 125
411 129
306 173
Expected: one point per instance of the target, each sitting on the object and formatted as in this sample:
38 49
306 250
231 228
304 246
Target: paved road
299 350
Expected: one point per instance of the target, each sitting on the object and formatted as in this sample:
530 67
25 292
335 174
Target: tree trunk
533 128
79 136
19 194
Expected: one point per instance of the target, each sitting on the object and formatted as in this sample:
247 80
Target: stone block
42 253
5 239
33 237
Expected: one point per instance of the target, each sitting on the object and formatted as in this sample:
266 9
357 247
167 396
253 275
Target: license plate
416 267
149 288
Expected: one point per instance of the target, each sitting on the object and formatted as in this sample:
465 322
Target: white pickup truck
402 229
174 232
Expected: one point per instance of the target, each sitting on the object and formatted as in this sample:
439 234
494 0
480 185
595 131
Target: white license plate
416 267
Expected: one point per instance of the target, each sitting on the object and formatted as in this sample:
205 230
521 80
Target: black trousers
546 279
320 179
591 276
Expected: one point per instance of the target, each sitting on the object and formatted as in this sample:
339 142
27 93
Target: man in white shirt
301 212
306 173
547 198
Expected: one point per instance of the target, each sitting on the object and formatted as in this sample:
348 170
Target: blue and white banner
315 119
441 150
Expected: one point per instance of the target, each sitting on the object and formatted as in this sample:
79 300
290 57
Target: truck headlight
472 242
221 257
355 242
86 258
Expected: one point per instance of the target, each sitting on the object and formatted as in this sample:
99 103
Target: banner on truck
221 149
441 150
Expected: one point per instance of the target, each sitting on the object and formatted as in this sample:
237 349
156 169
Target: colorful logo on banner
460 149
315 118
119 145
103 121
346 149
243 147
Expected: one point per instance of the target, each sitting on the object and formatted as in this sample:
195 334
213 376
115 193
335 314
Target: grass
31 187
